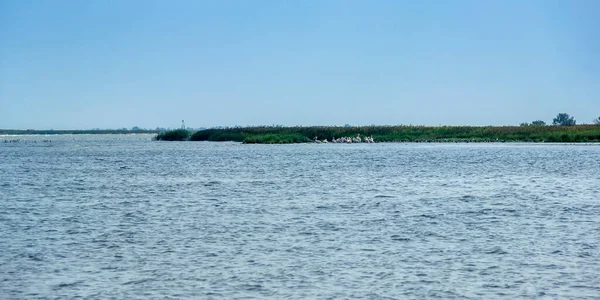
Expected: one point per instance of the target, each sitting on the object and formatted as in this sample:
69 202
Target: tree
538 123
597 121
534 123
563 119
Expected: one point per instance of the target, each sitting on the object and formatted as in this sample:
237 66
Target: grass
281 135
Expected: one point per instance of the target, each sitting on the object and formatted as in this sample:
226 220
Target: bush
538 123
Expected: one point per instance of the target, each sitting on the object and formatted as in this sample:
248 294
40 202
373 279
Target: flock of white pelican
347 140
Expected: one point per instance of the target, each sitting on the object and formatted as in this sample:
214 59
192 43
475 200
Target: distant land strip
320 134
90 131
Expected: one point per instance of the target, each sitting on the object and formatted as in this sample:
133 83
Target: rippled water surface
124 217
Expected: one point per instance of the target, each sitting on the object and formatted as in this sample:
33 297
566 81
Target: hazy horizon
83 65
261 125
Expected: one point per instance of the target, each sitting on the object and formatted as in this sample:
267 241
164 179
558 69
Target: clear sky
112 64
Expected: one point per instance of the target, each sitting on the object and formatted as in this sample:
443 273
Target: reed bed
282 135
173 135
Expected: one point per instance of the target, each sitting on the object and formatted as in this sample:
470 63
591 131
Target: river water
120 216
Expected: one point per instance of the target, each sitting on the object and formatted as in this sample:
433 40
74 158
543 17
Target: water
124 217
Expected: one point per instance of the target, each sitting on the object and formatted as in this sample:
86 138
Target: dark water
123 217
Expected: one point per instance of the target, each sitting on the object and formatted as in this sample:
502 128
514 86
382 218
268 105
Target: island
404 133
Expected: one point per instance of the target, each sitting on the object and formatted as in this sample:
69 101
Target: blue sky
111 64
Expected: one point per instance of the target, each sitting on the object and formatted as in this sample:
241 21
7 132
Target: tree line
562 119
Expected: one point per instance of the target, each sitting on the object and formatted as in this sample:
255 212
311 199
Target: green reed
271 135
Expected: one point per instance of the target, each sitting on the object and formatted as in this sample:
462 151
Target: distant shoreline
55 132
417 134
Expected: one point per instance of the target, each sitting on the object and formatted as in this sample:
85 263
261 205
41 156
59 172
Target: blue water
120 216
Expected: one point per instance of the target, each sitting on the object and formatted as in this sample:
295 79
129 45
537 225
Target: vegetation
534 123
282 135
563 130
538 123
276 139
563 119
173 135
